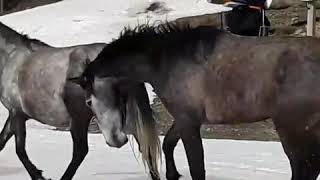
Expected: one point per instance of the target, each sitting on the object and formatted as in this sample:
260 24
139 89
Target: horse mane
166 36
10 33
26 39
145 31
155 41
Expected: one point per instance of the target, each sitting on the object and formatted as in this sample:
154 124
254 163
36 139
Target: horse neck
35 45
11 40
91 50
138 68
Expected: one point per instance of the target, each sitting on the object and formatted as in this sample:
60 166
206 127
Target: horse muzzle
117 140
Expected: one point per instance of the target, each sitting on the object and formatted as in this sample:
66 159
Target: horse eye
89 102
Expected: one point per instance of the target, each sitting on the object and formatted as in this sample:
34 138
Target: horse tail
146 132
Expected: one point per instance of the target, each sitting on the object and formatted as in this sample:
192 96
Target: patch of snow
51 151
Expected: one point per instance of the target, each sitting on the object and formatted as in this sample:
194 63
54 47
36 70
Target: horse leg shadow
303 152
19 128
6 132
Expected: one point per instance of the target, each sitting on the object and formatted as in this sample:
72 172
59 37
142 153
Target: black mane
157 41
166 37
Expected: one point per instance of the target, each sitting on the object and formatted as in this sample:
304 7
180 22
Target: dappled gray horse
34 85
204 75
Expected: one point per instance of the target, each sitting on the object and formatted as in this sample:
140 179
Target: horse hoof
176 176
42 178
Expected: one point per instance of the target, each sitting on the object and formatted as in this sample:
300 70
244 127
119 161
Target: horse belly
249 102
235 112
49 110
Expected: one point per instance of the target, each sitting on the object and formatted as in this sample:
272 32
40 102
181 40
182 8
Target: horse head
104 99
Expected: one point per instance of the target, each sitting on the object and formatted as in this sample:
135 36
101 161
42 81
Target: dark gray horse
34 85
204 75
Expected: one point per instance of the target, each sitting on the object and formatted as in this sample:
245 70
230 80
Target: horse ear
76 80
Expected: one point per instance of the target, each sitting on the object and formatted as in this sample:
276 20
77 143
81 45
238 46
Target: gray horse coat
34 84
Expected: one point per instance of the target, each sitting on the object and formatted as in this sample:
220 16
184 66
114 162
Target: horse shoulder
41 85
11 63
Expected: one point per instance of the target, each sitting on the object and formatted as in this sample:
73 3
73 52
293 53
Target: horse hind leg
19 126
303 152
6 132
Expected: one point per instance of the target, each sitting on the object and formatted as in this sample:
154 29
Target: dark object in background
246 21
258 3
247 17
10 6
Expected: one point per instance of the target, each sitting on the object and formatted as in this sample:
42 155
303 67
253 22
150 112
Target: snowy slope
74 22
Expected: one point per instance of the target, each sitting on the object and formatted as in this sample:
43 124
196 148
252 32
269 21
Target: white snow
225 159
74 22
51 151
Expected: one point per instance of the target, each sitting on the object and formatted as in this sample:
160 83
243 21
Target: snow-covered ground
74 22
225 160
51 151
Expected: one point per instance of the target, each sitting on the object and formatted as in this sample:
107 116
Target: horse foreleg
6 132
303 151
170 141
192 142
79 133
19 125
